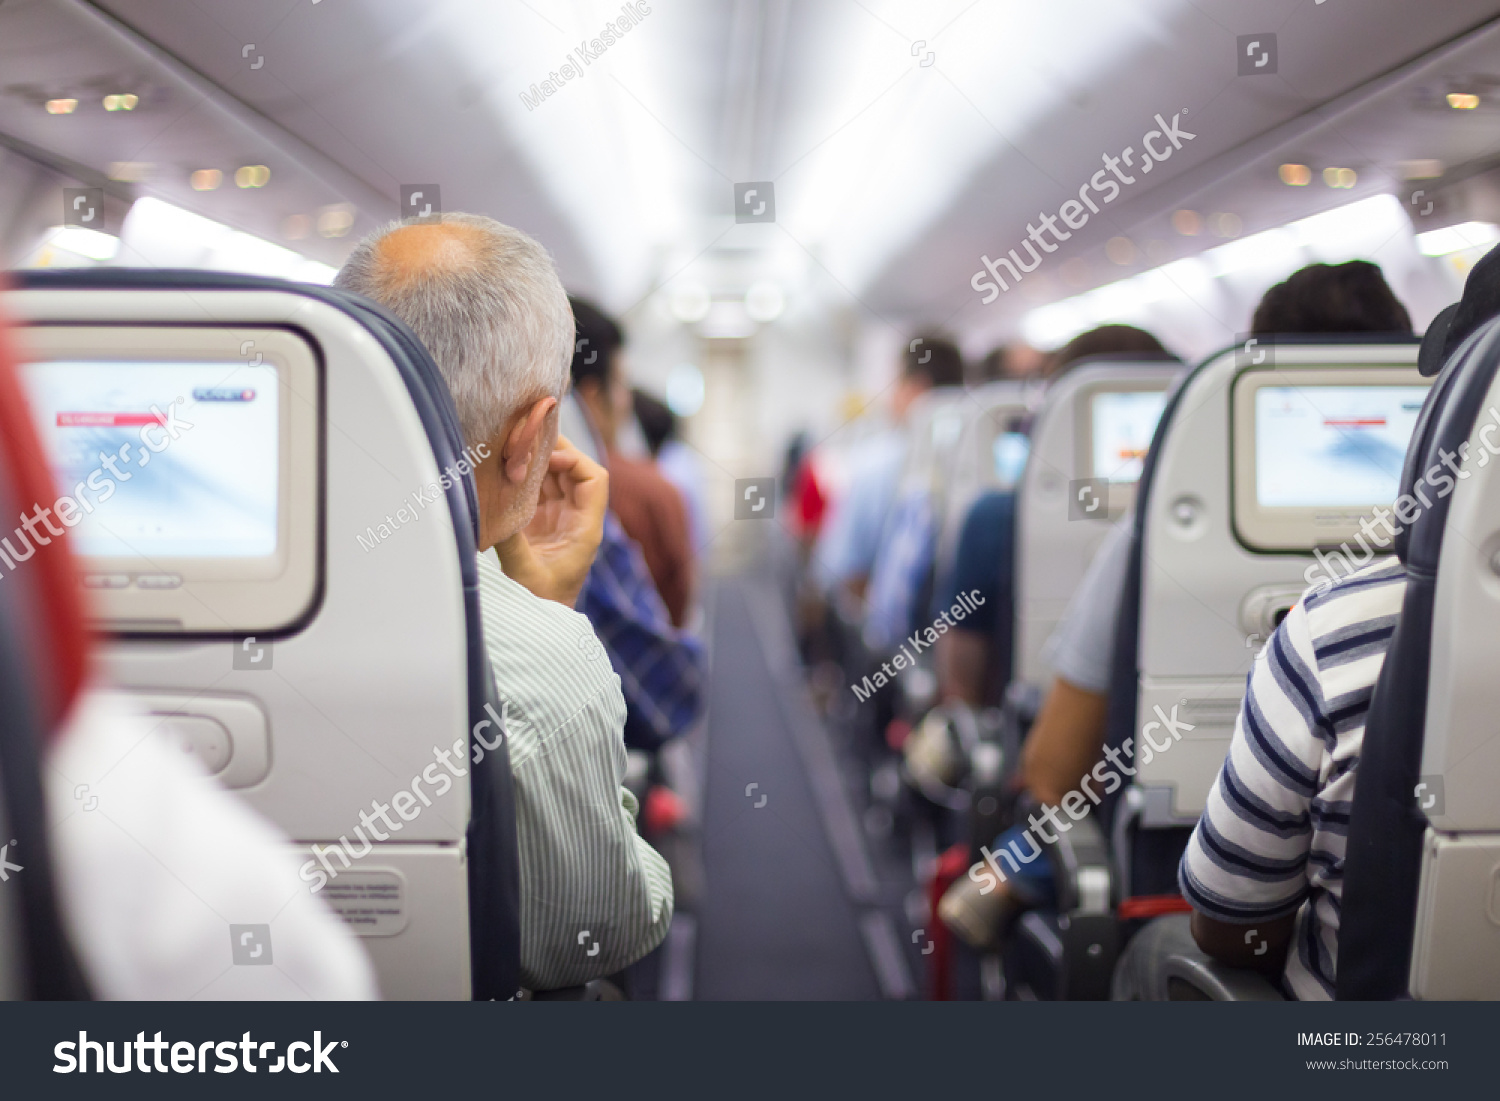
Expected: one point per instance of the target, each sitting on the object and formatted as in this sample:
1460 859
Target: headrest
1481 301
52 603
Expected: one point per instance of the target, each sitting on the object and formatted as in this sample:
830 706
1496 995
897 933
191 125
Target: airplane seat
1217 559
990 454
1420 913
40 616
1089 415
1221 548
376 685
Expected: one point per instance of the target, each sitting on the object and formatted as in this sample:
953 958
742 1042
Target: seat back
1421 898
1056 535
1250 471
374 670
990 454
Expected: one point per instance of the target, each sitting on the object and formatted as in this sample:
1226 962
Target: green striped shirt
595 896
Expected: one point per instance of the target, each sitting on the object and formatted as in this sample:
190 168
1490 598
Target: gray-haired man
486 301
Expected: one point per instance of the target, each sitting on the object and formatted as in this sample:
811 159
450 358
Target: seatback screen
163 459
1123 424
1010 451
1332 446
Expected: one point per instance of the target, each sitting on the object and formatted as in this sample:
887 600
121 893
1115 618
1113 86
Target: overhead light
1466 235
1228 225
206 179
764 301
61 106
727 319
124 102
1121 250
1295 175
294 227
1187 222
1463 101
685 389
690 302
85 242
129 171
252 175
1421 170
1340 177
160 234
1346 232
1268 250
335 220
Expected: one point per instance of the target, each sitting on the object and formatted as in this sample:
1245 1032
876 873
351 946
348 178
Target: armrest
1070 953
1080 864
1196 977
1164 963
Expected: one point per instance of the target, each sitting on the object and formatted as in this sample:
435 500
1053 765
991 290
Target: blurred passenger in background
678 463
1017 362
650 508
847 546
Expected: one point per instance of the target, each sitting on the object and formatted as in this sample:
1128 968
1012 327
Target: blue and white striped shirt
1272 837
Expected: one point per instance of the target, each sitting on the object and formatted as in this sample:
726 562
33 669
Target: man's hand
552 556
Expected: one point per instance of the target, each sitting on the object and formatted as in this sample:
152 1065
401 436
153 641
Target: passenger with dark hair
1106 340
851 535
1015 362
1329 298
658 423
1068 736
649 507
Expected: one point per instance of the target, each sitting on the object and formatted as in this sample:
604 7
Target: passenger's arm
963 659
1261 946
1245 869
1065 741
595 896
150 882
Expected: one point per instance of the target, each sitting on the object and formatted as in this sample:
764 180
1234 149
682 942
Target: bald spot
417 252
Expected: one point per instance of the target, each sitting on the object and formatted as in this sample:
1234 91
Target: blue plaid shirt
660 668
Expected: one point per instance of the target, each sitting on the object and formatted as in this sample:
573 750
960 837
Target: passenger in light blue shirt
845 552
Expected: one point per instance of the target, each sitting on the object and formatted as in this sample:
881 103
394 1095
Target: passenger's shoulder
1373 592
549 665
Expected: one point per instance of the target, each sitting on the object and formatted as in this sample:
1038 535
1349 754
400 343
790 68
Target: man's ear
526 436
